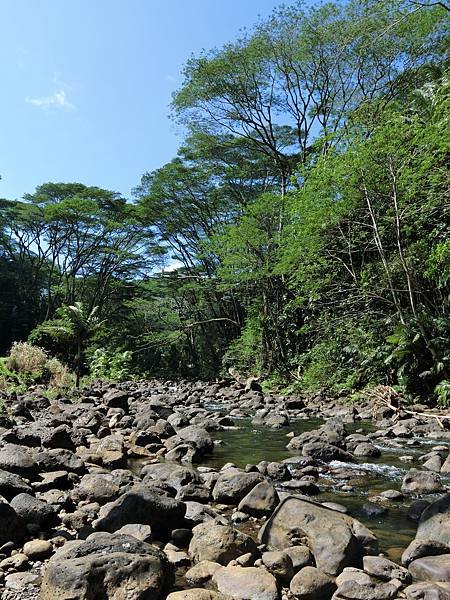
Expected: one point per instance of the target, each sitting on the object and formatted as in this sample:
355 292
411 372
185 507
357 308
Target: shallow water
250 444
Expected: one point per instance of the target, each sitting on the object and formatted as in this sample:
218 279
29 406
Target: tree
75 325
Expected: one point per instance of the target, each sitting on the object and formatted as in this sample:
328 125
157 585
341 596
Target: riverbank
210 491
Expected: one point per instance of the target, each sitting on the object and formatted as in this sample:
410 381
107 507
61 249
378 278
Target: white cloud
172 266
57 100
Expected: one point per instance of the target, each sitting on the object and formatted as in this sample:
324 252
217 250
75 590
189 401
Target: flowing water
250 444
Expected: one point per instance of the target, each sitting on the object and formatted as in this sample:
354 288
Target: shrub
25 358
113 366
28 365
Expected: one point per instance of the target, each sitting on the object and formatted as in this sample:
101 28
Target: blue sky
86 84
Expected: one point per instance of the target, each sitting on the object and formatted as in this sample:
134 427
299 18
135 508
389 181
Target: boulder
422 482
106 566
384 569
279 563
326 452
312 584
336 540
33 510
219 543
249 583
198 437
419 548
428 591
17 459
233 485
142 505
434 522
202 572
12 484
352 590
11 526
261 500
431 568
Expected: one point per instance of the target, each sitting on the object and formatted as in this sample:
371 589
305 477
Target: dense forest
300 234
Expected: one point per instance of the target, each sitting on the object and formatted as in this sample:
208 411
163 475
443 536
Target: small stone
37 549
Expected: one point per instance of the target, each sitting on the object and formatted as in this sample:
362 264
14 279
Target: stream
249 444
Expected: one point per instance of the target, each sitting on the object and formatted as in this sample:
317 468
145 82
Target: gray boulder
233 485
219 543
119 567
142 505
336 540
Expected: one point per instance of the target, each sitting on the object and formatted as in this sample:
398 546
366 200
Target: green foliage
442 391
111 366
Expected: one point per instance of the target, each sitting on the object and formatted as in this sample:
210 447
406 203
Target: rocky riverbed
196 491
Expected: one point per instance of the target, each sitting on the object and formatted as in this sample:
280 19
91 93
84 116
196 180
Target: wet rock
416 509
431 568
371 510
219 543
261 500
326 452
141 505
106 566
367 449
250 583
422 482
311 584
384 569
336 540
233 485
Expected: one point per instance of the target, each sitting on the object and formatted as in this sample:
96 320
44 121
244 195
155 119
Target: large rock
17 459
326 452
142 505
33 510
335 539
219 543
233 485
261 500
428 591
352 590
422 482
312 584
117 567
431 568
12 484
11 527
249 583
197 436
176 476
434 522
